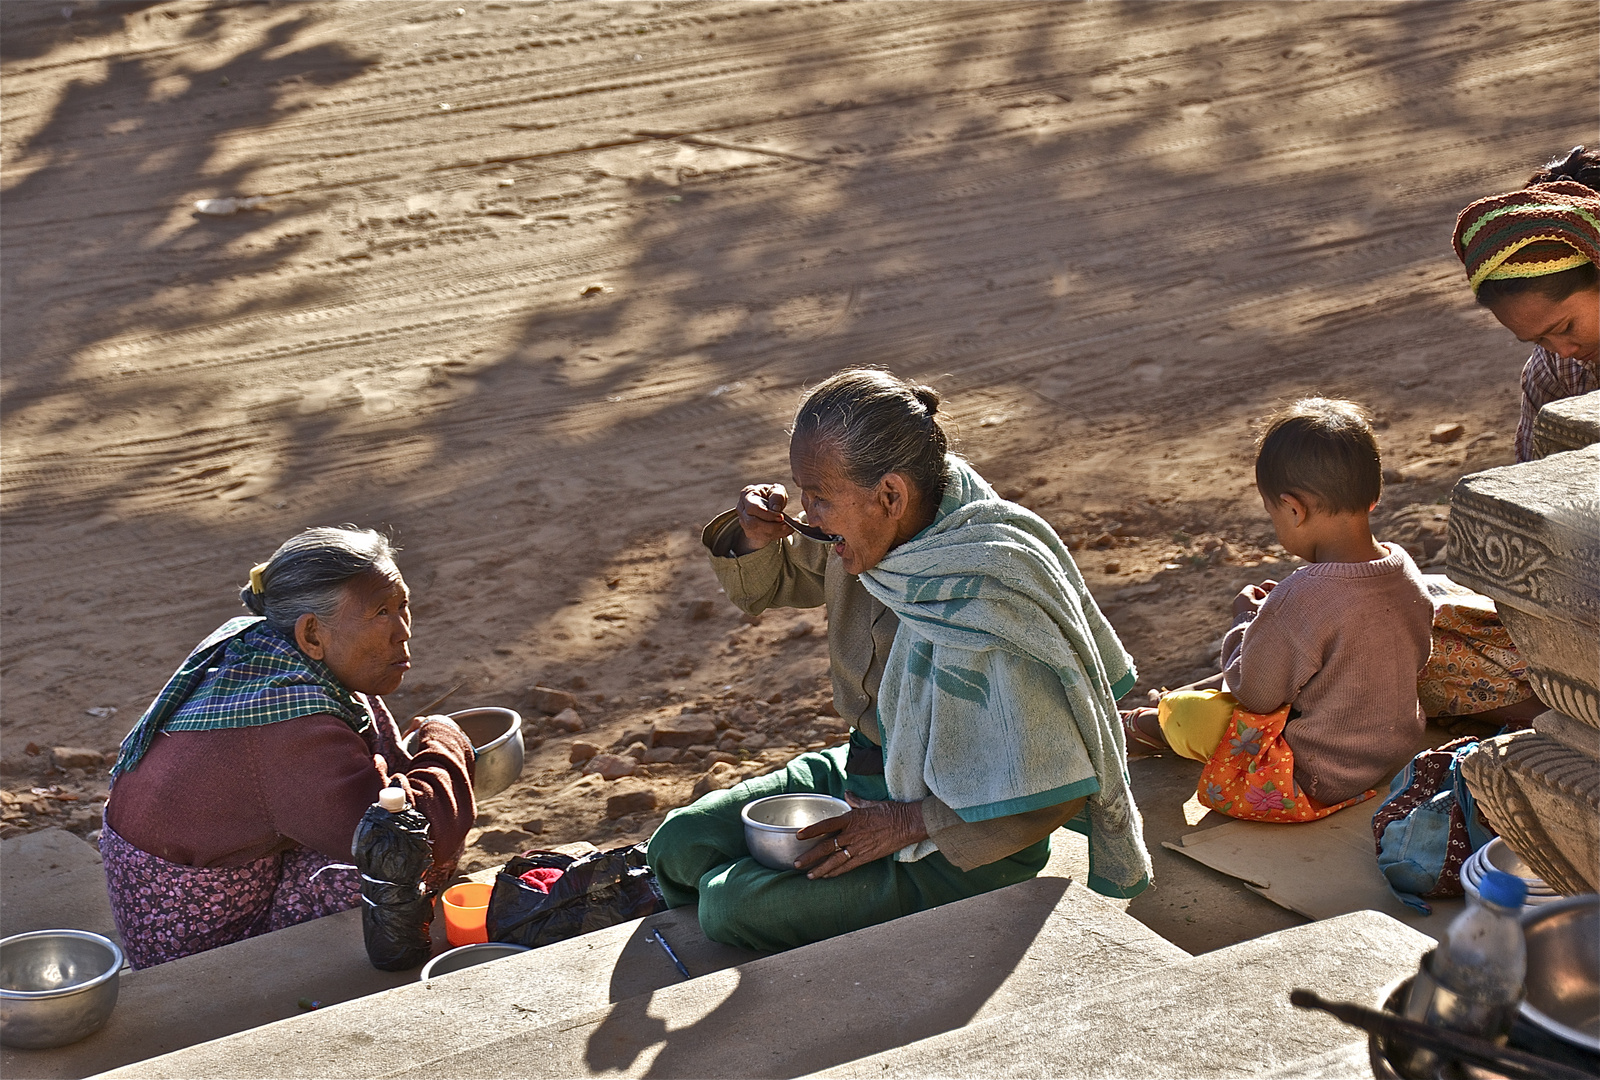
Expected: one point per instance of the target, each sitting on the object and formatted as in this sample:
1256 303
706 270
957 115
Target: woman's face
871 520
1569 328
364 644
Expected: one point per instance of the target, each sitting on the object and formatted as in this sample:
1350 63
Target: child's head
1318 457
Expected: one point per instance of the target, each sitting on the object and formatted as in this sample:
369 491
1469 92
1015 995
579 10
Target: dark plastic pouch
595 891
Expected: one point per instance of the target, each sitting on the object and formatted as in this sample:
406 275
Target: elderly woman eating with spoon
979 676
235 797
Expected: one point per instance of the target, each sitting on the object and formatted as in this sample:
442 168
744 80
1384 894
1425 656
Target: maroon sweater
229 797
1342 643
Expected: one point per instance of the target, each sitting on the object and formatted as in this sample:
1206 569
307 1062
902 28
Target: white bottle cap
392 799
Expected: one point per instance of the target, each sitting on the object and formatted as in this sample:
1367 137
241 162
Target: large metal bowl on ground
56 987
1564 969
496 736
770 825
466 956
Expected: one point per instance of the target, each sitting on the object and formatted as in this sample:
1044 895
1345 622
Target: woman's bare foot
1141 729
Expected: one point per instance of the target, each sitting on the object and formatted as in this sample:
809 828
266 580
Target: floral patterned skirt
164 910
1251 773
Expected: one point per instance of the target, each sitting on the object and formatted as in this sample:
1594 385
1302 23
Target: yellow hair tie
256 584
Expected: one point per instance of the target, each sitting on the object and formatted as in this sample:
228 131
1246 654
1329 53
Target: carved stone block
1543 797
1564 729
1528 536
1568 424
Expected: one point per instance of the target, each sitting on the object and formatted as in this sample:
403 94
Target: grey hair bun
253 600
878 423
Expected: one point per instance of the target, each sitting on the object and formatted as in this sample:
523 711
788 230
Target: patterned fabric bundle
244 675
1474 665
1539 230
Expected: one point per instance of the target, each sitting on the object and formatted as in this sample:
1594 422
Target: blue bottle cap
1503 889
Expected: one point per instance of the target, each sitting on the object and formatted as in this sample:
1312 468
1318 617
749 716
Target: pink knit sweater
1342 643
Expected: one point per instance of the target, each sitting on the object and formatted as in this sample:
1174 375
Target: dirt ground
536 285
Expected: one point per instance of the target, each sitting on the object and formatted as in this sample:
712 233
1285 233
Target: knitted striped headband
1539 230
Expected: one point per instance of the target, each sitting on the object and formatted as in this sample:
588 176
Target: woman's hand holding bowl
760 523
869 832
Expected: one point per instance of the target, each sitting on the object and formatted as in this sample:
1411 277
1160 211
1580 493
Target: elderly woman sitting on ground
979 675
235 797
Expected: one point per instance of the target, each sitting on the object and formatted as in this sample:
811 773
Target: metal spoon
811 532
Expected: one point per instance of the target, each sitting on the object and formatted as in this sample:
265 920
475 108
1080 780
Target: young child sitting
1320 670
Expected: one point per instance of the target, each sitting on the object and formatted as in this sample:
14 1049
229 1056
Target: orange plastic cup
466 911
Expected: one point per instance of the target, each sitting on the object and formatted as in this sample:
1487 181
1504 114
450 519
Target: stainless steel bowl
770 825
56 987
1564 969
466 956
496 736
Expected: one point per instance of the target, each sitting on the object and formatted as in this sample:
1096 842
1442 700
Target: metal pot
56 987
496 736
1564 969
466 956
770 825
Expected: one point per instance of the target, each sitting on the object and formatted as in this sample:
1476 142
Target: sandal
1138 739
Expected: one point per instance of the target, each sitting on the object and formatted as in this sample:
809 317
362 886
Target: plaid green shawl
244 675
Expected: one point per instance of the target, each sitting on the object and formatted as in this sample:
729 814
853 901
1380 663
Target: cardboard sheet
1318 869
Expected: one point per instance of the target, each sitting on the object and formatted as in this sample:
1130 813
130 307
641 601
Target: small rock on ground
640 801
611 766
719 777
567 720
683 730
76 757
552 701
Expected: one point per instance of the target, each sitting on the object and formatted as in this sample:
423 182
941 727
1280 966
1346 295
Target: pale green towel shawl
986 582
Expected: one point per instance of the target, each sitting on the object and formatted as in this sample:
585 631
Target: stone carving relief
1515 563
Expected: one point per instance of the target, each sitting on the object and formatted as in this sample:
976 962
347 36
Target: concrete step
1221 1014
51 880
564 1013
391 1018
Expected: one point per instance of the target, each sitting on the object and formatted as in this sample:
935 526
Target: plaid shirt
1547 377
244 675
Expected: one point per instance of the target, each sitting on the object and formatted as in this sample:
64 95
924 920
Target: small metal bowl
466 956
56 987
770 825
1564 969
496 736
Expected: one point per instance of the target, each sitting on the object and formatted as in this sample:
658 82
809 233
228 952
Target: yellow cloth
1194 721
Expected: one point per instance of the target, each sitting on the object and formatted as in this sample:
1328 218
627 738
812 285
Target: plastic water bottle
1484 956
391 850
1473 982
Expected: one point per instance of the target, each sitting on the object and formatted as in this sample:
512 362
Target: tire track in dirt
1193 199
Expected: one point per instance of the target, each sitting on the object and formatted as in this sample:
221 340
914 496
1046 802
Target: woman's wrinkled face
1569 328
870 520
364 644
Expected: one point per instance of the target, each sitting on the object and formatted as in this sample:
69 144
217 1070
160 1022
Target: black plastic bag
595 891
391 850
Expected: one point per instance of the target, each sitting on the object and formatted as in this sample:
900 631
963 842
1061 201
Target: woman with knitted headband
1530 257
